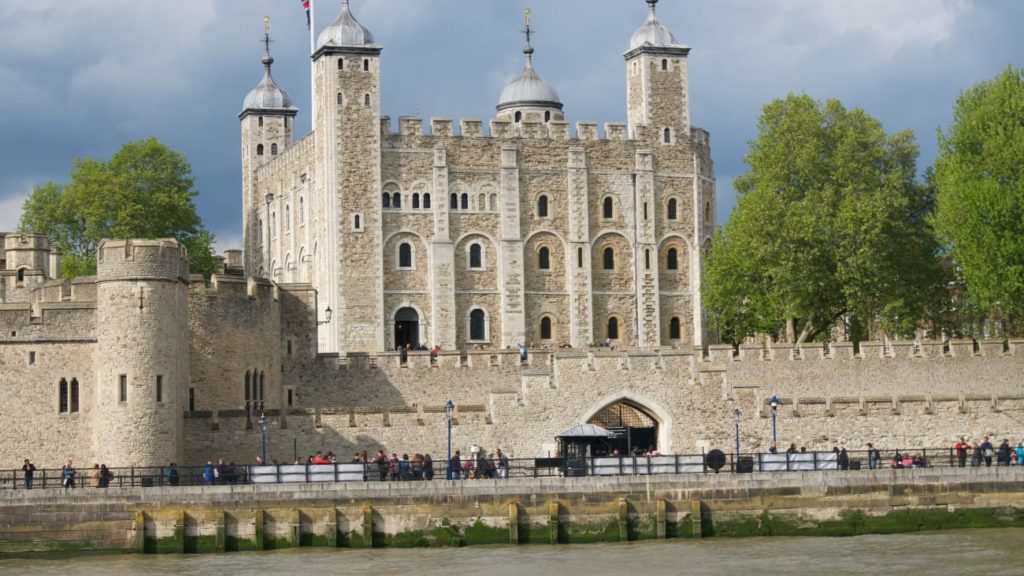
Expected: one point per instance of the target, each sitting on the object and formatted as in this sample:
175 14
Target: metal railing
759 463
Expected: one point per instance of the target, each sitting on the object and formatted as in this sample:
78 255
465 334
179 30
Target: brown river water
983 552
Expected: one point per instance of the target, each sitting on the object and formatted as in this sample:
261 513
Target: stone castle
359 240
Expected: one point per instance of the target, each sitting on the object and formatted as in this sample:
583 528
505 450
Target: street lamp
449 408
775 408
736 419
263 432
327 317
270 200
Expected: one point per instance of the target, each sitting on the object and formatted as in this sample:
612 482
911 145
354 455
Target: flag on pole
309 22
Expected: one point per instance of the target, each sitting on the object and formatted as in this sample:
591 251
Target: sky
79 78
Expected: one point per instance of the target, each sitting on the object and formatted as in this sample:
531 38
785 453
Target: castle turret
268 128
348 146
529 98
142 359
656 81
28 263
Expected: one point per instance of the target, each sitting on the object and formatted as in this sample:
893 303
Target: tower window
405 255
288 217
519 117
426 201
31 358
613 328
191 399
647 259
386 199
544 259
366 64
545 328
341 99
674 329
477 325
261 122
289 347
547 116
608 209
542 206
159 388
609 259
464 202
74 394
579 257
341 63
396 200
455 202
302 210
122 388
259 150
645 210
273 149
668 135
262 381
416 201
248 388
707 212
476 260
291 397
63 391
481 202
357 222
366 99
673 208
672 259
664 64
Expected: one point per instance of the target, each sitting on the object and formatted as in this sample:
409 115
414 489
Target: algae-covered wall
517 511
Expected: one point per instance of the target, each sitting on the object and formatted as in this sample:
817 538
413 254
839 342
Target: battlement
230 287
17 241
303 149
557 130
869 352
164 259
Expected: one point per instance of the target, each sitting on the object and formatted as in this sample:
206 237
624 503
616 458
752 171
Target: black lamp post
449 407
263 432
775 408
327 317
736 419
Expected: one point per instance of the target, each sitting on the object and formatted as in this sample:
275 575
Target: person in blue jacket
208 473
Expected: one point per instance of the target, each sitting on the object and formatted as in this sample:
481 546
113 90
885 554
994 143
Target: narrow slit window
159 388
63 391
544 259
672 259
674 329
609 259
366 64
608 209
357 222
647 259
122 388
291 397
405 255
191 399
545 328
454 202
477 325
613 328
341 63
426 201
579 257
74 394
673 209
476 257
542 207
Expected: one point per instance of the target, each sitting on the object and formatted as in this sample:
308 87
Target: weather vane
528 31
266 32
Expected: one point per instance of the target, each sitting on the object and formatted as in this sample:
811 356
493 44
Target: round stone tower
142 364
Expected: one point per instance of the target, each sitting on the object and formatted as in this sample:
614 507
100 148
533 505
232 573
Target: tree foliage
830 225
144 191
980 206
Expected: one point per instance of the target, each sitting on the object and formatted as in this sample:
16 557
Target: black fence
713 462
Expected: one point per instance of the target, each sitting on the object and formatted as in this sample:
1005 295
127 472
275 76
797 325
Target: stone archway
407 328
638 422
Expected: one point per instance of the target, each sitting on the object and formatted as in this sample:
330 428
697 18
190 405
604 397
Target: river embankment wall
513 511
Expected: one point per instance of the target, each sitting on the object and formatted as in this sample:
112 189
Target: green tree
980 207
143 191
830 226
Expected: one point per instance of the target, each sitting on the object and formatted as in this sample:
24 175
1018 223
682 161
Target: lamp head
449 407
774 402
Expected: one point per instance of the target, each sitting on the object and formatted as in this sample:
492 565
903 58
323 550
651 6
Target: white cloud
226 240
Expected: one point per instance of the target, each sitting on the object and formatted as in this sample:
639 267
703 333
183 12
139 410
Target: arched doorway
635 428
407 328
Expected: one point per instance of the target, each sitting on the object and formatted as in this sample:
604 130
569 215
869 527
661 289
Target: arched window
707 212
481 202
519 117
673 329
455 202
63 393
366 64
609 259
464 204
357 222
405 255
426 201
608 208
273 149
672 259
288 217
21 275
476 257
664 64
340 99
74 394
668 135
477 325
545 328
259 233
613 328
542 206
259 150
341 63
396 199
494 201
547 116
544 258
248 388
262 382
673 208
366 99
416 200
261 122
387 199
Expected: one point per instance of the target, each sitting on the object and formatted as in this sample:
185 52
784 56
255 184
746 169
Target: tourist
172 474
434 353
404 468
428 467
843 459
105 476
873 456
976 457
208 473
1020 453
29 469
772 449
961 447
502 465
897 461
918 461
455 466
791 449
417 466
1003 457
382 465
522 352
908 461
986 451
68 475
95 477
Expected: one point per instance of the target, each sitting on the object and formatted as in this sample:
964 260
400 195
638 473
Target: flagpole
312 67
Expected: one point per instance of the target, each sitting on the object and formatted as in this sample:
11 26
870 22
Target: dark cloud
80 78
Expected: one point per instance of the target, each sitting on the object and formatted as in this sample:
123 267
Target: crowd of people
983 452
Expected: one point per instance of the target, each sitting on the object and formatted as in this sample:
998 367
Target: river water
988 552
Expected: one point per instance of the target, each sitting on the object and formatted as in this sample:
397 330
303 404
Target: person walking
986 451
68 475
172 475
455 466
961 447
428 467
874 456
1003 455
208 473
29 470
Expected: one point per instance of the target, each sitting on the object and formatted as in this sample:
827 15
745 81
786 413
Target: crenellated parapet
866 352
129 260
